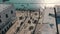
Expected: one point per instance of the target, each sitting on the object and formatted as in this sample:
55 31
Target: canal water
23 4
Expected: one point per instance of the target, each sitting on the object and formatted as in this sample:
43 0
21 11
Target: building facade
7 17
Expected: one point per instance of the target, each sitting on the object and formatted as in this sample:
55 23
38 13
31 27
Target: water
58 20
26 6
48 3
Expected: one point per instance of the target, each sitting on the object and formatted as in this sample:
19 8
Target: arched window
30 28
3 32
35 21
20 18
6 15
21 23
29 21
11 11
0 28
0 16
0 20
35 13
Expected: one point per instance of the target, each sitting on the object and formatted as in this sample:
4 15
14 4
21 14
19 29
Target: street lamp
56 20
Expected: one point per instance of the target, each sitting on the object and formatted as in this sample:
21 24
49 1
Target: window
0 28
0 20
21 23
0 16
29 21
11 12
6 15
3 32
20 18
35 13
30 28
51 15
35 22
7 27
30 17
17 29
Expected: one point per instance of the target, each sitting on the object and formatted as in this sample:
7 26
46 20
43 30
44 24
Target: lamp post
56 20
